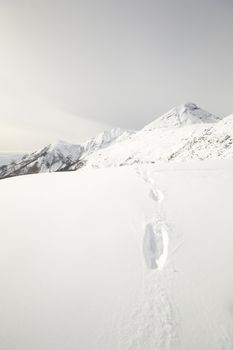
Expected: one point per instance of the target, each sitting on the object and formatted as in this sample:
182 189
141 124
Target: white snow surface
125 258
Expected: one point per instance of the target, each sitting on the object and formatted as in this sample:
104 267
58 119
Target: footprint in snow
155 244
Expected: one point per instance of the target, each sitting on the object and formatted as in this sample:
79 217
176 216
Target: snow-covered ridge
215 142
185 132
65 149
103 139
61 156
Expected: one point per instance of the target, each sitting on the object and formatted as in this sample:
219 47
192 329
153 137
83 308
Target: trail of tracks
152 324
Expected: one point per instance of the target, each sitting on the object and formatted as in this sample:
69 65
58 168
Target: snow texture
154 246
137 257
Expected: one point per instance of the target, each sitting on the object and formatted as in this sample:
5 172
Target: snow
66 149
198 205
155 245
215 142
153 145
184 133
54 157
62 155
103 139
131 252
186 114
135 257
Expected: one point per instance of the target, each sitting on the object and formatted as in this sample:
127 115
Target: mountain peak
60 144
103 139
190 106
65 149
184 114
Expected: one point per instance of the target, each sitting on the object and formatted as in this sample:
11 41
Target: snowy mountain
54 157
185 132
160 140
60 156
182 115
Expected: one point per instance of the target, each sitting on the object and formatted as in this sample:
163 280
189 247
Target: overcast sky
69 68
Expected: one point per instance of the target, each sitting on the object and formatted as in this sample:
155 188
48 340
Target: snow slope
104 139
180 135
160 140
215 142
147 146
127 258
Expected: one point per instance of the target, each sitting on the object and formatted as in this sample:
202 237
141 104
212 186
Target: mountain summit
185 114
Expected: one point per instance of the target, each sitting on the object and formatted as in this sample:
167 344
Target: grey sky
119 62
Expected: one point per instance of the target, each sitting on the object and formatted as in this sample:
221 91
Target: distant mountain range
186 132
8 157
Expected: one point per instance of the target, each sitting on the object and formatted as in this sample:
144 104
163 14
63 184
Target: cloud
28 123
